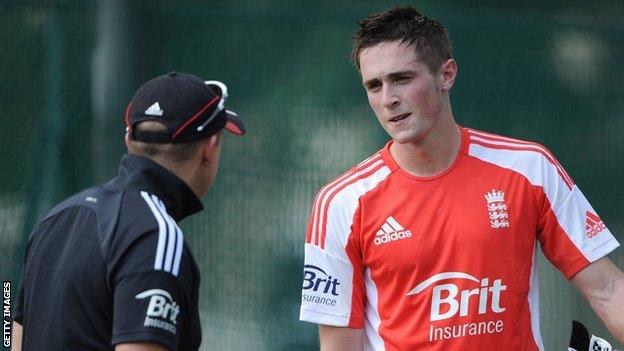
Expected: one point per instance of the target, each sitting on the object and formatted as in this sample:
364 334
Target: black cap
191 108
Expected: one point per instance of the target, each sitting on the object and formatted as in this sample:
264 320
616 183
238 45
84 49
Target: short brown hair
428 36
175 152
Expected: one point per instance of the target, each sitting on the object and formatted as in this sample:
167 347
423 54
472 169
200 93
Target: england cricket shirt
447 262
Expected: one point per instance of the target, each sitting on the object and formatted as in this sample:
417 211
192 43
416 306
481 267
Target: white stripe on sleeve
162 230
178 254
171 238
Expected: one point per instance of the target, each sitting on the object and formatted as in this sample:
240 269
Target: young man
430 244
108 268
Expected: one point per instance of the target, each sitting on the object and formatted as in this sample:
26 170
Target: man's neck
185 171
432 155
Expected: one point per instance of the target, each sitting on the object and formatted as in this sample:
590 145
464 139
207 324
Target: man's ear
127 140
448 73
210 146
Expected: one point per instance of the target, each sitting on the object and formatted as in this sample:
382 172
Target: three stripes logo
170 238
390 231
593 224
154 110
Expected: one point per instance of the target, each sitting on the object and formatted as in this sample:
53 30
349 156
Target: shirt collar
141 173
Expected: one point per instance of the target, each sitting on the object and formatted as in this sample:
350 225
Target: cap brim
234 124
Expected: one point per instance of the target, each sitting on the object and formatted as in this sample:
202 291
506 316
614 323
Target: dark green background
548 71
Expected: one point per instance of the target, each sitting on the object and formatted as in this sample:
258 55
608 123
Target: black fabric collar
136 172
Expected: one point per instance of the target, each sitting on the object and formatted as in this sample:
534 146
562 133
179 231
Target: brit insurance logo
318 286
497 208
391 231
448 301
162 311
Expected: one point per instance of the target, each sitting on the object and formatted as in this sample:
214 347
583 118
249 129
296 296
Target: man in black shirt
108 268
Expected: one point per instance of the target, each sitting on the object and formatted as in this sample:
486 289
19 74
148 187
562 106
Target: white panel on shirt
342 208
533 298
328 302
372 339
169 235
327 290
568 205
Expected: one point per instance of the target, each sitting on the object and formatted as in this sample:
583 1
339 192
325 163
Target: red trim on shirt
515 144
313 233
325 210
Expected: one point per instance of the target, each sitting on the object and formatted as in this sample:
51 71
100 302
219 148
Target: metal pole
112 74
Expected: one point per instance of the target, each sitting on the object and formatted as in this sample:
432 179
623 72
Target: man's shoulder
115 210
106 201
485 143
147 233
129 219
86 199
140 212
529 158
356 181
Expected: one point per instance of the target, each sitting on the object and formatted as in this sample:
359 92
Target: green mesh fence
544 72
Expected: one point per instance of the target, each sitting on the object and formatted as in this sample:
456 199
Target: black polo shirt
110 265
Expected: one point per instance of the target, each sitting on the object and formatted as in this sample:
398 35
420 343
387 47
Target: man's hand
602 283
340 339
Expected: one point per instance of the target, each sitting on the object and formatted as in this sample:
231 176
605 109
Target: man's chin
406 138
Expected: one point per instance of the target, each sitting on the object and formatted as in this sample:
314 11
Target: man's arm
602 283
140 346
340 339
17 343
17 337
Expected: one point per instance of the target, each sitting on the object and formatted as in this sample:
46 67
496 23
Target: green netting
545 72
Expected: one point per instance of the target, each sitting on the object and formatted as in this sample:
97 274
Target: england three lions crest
497 209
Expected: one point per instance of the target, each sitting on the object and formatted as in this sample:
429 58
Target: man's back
65 265
113 268
109 266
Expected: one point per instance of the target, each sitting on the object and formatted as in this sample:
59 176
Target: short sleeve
571 233
17 312
151 303
333 290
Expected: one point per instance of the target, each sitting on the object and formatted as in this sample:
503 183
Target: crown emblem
495 196
497 209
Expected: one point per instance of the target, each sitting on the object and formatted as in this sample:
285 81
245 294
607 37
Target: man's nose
389 98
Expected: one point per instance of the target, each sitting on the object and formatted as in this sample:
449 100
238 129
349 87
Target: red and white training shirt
446 262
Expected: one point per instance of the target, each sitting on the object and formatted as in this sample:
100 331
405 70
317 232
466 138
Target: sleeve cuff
17 317
307 315
592 255
602 249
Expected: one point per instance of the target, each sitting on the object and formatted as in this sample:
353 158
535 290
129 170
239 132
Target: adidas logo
391 230
593 224
154 110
